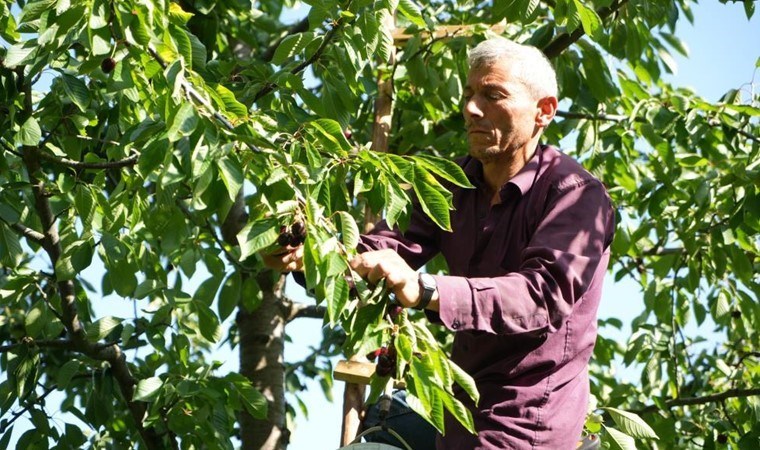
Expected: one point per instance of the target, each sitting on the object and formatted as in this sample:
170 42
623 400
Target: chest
488 240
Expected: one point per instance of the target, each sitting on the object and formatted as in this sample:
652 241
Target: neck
498 171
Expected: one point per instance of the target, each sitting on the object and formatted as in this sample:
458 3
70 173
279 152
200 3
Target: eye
494 95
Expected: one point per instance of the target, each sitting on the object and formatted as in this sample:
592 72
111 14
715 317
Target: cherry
107 65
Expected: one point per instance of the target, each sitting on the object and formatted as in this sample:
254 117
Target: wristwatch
428 287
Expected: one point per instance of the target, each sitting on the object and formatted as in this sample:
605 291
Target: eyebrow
492 86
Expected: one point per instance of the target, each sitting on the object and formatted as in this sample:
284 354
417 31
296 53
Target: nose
472 109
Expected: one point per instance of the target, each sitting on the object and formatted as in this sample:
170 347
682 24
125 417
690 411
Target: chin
485 154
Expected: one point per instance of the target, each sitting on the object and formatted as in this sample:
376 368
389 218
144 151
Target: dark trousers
415 430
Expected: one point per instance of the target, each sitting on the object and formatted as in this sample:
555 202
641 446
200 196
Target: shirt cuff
455 302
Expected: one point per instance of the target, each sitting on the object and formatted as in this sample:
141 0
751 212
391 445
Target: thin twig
688 401
29 342
126 162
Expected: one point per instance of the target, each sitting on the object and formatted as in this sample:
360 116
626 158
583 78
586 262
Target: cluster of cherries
294 235
386 361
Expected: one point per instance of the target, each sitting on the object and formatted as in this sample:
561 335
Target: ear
547 108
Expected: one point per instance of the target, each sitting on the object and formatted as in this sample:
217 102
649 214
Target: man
527 255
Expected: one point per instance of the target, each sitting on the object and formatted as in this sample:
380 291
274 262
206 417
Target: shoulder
563 172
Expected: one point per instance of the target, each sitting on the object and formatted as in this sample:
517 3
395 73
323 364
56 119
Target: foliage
172 140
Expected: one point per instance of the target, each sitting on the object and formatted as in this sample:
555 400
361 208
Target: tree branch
67 290
29 342
565 40
688 401
16 415
26 231
329 36
297 309
126 162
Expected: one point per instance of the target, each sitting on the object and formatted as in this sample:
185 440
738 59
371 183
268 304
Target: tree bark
262 343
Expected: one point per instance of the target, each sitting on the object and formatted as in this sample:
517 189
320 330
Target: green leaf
253 401
411 11
251 294
208 323
66 373
229 296
337 297
35 320
589 18
77 91
631 424
444 168
618 440
184 122
148 287
257 236
147 389
21 53
291 46
231 103
458 410
232 175
349 230
465 381
102 328
10 247
433 201
332 133
30 133
741 264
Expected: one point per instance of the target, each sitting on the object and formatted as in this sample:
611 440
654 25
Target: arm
567 251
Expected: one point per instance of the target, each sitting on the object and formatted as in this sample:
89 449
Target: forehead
496 73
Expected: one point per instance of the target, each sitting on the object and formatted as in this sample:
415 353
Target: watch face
427 280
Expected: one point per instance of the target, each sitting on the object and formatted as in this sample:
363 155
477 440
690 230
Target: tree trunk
262 343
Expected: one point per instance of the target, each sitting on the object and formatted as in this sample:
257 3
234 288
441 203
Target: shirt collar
523 180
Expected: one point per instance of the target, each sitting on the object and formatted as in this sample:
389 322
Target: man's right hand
284 259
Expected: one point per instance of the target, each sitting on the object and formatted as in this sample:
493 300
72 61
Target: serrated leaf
349 230
229 296
465 381
332 132
30 133
102 327
618 440
208 323
257 236
631 424
444 168
66 373
589 18
148 287
291 46
458 410
20 53
231 104
411 11
11 252
253 401
184 122
76 90
147 389
232 175
434 203
337 298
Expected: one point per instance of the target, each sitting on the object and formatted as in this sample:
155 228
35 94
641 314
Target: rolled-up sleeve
556 268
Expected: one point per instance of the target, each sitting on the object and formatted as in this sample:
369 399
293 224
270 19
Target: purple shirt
525 284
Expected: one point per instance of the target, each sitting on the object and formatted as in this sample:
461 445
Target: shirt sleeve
568 249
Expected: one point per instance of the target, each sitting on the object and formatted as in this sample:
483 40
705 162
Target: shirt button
455 324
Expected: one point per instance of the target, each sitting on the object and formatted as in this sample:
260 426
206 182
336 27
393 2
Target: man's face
499 111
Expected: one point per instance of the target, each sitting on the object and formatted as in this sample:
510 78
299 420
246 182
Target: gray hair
530 64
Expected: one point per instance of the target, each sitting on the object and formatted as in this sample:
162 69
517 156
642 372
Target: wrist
428 290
